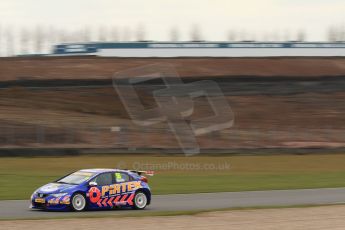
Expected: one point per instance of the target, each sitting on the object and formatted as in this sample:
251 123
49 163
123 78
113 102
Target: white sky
250 18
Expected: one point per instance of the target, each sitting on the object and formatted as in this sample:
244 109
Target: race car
91 189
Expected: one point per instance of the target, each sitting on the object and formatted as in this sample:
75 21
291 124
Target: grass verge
20 176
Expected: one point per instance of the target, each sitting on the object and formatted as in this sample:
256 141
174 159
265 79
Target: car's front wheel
140 200
78 202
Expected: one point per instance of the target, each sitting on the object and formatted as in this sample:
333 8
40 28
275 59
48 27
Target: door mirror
93 184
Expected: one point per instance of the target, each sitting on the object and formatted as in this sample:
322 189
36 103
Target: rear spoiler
147 173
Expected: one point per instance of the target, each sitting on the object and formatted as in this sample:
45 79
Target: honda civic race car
95 189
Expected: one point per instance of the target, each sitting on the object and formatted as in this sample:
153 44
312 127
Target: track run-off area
19 209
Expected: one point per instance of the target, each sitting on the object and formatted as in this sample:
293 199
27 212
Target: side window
122 177
104 179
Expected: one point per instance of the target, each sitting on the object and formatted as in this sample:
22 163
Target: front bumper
49 202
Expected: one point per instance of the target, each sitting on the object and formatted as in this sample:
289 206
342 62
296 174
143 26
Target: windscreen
76 178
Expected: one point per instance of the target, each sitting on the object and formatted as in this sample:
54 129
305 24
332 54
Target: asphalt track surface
19 209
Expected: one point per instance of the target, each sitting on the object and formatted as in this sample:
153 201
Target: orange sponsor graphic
94 194
65 200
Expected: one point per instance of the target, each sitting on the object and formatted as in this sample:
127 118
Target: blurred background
33 26
280 65
285 88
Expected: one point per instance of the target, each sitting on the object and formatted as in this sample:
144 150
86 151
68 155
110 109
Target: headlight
33 194
59 194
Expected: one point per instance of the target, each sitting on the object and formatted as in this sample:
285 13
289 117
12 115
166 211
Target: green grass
19 177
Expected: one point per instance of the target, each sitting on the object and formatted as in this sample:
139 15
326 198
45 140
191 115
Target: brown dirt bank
285 103
328 217
83 118
104 68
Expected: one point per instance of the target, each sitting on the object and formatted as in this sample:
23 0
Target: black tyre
78 202
140 200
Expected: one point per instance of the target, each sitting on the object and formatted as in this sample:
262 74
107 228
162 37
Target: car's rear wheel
140 200
78 202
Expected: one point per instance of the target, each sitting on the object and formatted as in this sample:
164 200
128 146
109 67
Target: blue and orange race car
95 189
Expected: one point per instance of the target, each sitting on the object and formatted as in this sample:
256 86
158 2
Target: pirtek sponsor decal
113 189
108 195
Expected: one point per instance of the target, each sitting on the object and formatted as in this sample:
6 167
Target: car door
123 184
98 196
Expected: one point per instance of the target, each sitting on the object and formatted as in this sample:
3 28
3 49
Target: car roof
99 170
